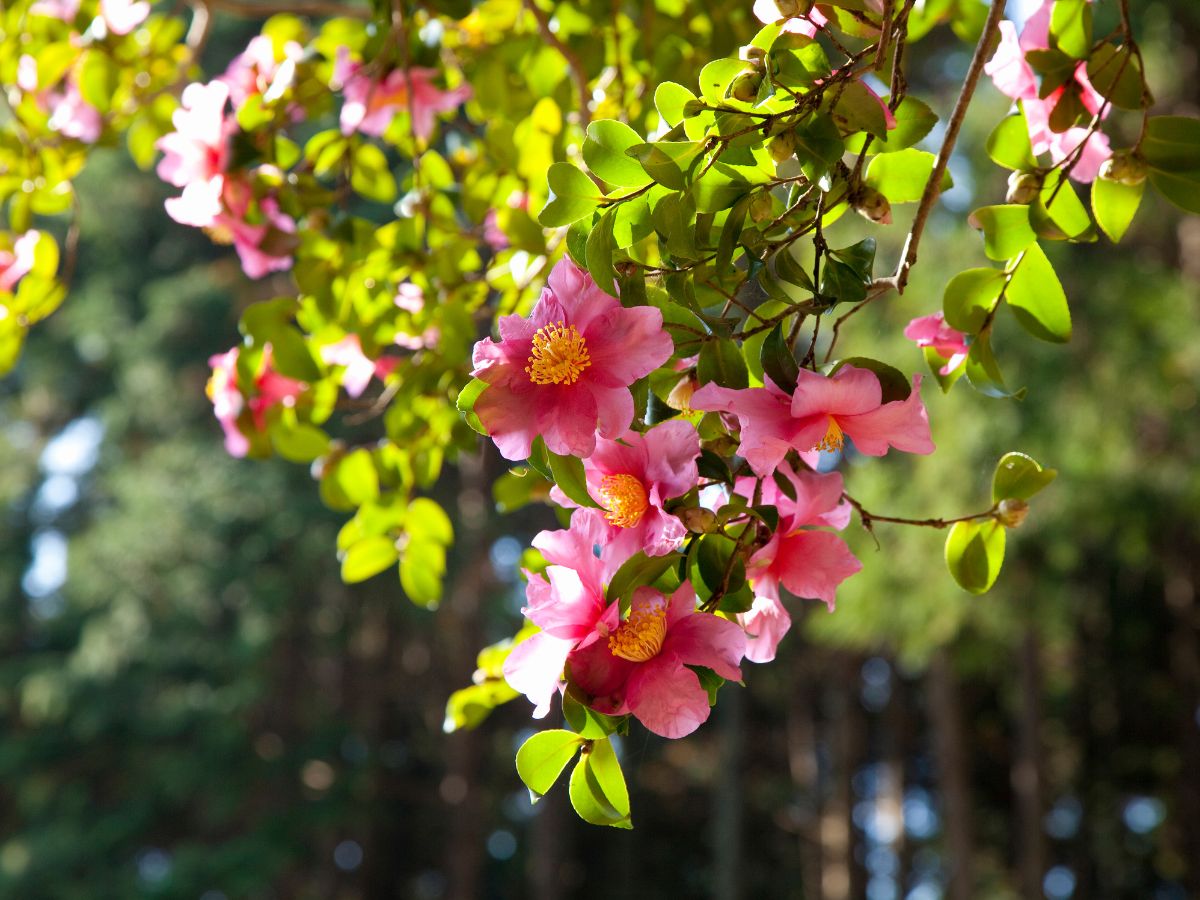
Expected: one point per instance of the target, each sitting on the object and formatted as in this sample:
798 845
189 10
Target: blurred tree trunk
1026 774
895 740
803 765
949 739
459 638
841 876
549 847
1185 667
728 797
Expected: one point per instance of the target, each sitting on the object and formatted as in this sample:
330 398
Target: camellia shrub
599 239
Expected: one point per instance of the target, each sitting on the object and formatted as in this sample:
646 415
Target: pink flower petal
667 698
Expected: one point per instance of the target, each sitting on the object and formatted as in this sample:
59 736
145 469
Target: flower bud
762 207
680 397
870 204
1012 512
782 146
697 520
745 87
753 55
1124 168
1023 187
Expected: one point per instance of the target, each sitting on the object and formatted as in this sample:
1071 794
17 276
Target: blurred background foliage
192 705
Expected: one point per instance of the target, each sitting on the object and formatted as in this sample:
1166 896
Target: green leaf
1172 144
1117 75
604 152
859 108
1009 145
574 196
368 557
1071 27
1006 229
542 758
721 362
730 233
778 361
587 722
841 283
422 568
670 99
974 554
901 176
300 442
970 296
569 475
599 254
914 120
467 708
667 161
636 571
819 146
983 372
466 403
598 792
1115 204
357 477
1065 210
425 520
98 79
370 175
1182 189
1019 476
1037 299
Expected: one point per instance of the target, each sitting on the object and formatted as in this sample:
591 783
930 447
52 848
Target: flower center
641 636
559 355
833 440
624 498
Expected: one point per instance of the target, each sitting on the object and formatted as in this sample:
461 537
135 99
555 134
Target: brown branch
578 74
869 517
933 185
253 10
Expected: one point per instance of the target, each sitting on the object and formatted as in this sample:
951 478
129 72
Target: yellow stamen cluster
624 498
641 636
834 439
559 356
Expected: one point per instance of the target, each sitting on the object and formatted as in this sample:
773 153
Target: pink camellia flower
15 264
196 154
642 668
257 71
632 479
371 105
565 371
359 368
568 605
64 10
819 416
122 16
806 562
250 240
949 343
410 297
74 117
1015 78
228 401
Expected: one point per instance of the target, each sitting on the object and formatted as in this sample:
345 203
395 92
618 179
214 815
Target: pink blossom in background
248 239
270 389
370 106
1015 78
122 16
932 331
64 10
768 13
196 154
15 264
27 74
808 563
819 416
73 116
257 71
642 667
410 297
632 479
564 373
359 368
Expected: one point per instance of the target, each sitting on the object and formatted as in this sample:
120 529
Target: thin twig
933 185
869 517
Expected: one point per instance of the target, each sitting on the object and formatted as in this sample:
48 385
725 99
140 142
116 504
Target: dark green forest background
192 705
